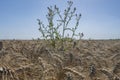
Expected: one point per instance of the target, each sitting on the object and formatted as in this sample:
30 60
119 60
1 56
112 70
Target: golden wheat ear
74 72
107 73
116 68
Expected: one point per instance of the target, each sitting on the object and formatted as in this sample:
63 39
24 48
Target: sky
100 18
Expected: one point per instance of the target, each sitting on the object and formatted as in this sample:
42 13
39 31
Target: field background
34 60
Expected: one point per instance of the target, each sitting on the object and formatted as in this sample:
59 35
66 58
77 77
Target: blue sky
100 18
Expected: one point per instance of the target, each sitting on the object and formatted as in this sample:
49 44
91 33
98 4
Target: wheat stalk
73 71
50 78
107 73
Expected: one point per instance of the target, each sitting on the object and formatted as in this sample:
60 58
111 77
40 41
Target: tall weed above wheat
57 27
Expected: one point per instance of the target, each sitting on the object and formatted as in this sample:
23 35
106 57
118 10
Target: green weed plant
52 32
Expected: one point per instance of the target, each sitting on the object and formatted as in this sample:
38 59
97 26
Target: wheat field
34 60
